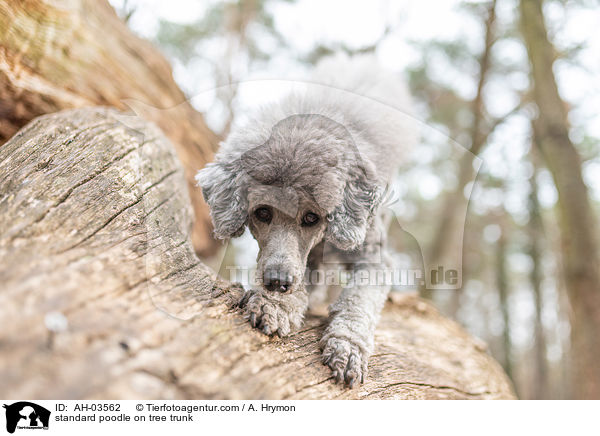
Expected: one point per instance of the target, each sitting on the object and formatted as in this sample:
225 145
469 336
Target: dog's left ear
223 189
349 222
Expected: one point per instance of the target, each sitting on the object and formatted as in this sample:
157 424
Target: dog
307 175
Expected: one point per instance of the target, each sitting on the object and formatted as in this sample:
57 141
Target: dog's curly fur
330 150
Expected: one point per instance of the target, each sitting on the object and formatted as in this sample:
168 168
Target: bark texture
74 53
102 296
578 226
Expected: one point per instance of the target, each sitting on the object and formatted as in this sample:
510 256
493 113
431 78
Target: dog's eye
263 214
310 219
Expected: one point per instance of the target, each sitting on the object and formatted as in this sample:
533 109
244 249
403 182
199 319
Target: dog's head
304 183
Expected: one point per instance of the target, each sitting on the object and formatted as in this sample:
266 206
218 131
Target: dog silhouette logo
26 415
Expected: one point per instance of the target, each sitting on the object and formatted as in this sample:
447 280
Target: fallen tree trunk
101 295
57 55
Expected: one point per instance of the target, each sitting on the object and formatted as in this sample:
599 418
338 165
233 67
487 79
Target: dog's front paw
277 314
346 360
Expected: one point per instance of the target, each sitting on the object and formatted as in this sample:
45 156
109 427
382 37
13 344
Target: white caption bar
283 418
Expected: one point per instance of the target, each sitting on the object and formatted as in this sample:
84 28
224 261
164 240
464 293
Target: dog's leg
315 279
273 312
348 340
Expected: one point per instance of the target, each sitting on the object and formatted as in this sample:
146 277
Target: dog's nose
275 280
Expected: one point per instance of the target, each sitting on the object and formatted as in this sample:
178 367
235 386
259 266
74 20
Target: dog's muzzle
277 280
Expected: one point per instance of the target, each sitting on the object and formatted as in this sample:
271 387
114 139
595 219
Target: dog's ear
223 190
349 222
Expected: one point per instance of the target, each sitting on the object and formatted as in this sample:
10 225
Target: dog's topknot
325 141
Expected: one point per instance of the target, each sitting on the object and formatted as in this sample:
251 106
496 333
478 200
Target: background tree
536 237
226 24
578 225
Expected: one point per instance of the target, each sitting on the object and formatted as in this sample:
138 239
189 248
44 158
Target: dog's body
307 175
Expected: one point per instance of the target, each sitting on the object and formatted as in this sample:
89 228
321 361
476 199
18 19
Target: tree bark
578 227
82 54
101 295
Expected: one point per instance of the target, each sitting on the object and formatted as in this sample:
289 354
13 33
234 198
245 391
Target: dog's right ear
224 191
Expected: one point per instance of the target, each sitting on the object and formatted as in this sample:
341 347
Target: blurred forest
515 84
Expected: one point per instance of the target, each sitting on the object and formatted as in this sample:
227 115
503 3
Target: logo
26 415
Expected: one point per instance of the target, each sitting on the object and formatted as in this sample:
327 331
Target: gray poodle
307 176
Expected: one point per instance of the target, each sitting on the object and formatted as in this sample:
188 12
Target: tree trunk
446 247
52 58
102 296
535 228
502 282
578 227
